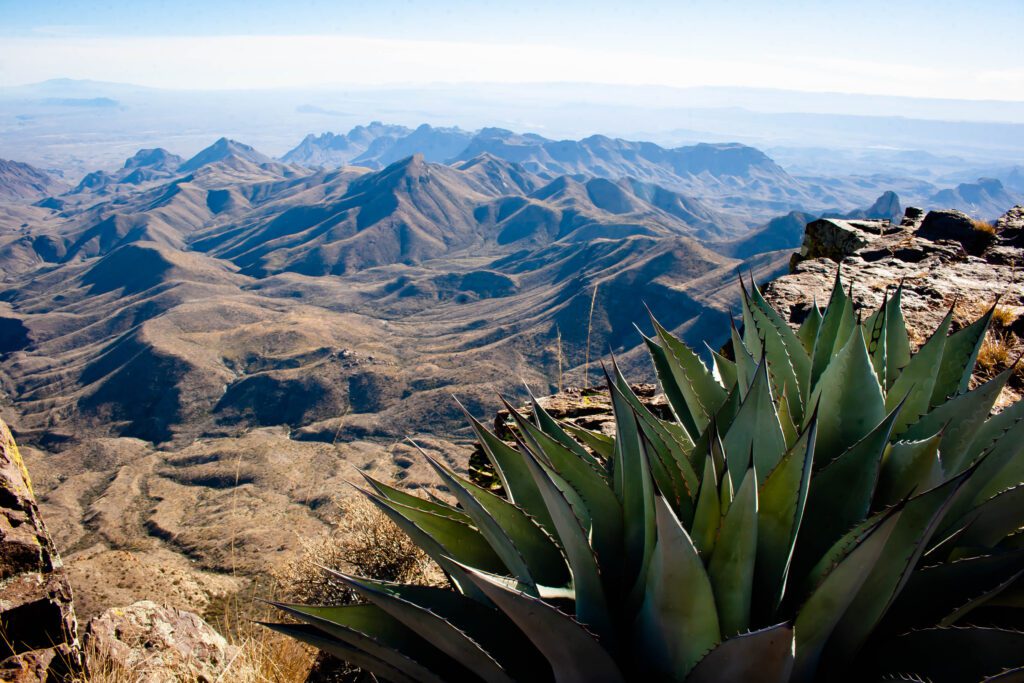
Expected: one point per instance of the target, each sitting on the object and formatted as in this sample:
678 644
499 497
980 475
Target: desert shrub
823 506
364 542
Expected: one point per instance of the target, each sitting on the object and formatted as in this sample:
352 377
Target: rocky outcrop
835 238
156 644
942 258
38 631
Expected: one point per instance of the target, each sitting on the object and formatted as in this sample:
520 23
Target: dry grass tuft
994 354
999 351
1003 317
984 227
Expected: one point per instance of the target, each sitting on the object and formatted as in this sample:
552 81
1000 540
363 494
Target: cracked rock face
37 619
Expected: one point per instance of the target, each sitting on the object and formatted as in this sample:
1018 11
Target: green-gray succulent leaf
763 656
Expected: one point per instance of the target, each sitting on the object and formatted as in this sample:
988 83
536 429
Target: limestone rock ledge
38 629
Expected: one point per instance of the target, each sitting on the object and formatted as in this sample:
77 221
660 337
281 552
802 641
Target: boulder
836 238
38 630
959 227
1010 228
157 643
912 218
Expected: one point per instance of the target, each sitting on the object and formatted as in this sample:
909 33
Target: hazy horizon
881 49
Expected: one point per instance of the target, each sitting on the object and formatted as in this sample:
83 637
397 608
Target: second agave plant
822 506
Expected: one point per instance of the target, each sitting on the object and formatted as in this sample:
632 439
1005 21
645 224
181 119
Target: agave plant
822 506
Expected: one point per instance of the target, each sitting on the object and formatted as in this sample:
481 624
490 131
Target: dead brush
365 542
999 351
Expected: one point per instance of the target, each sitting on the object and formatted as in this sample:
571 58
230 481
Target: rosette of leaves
823 506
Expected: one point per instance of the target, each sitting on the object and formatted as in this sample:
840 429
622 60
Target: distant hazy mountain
740 177
225 151
435 144
986 198
330 150
144 166
22 182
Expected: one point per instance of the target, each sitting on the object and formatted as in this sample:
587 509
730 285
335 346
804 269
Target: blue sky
940 48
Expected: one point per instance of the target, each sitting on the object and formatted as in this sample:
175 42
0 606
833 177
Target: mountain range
183 338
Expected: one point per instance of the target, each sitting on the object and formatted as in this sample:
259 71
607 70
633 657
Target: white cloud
218 62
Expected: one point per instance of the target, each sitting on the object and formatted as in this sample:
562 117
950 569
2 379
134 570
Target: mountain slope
21 182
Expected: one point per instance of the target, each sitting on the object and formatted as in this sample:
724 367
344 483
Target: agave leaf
822 611
897 341
954 655
745 363
632 476
874 337
514 475
960 419
702 393
849 400
591 602
374 631
673 392
994 519
440 536
1009 676
764 656
668 477
675 627
840 493
549 426
731 568
722 369
782 499
908 466
917 522
979 600
672 445
836 553
601 444
547 447
526 550
755 432
996 449
788 363
808 331
937 590
310 635
836 326
726 493
708 515
798 357
588 492
789 430
915 383
958 358
405 498
575 655
477 636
